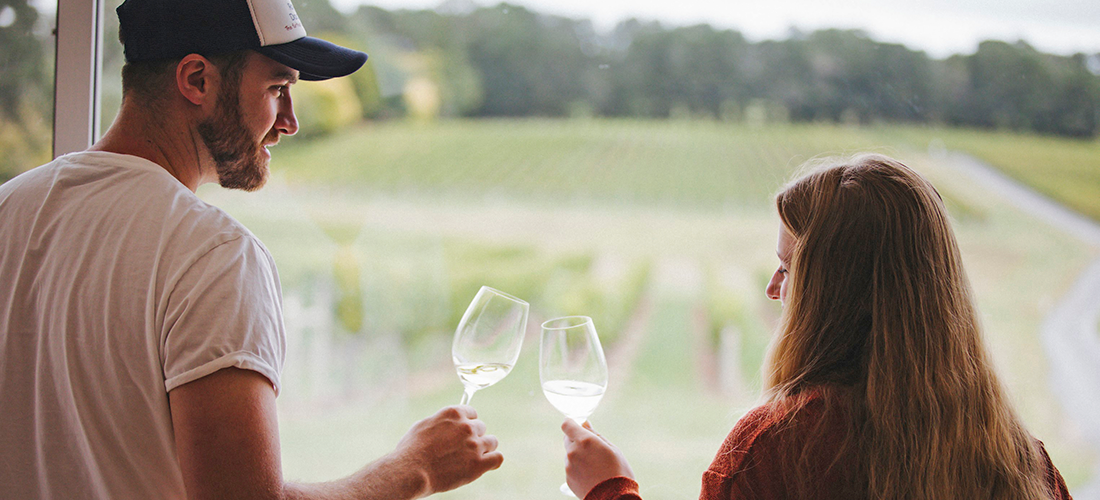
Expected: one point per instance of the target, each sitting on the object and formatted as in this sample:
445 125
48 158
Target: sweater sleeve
743 468
732 475
616 488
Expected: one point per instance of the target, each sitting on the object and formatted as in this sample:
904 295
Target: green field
1067 170
686 163
662 231
683 164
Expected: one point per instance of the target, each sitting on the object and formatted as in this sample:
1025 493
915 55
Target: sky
938 27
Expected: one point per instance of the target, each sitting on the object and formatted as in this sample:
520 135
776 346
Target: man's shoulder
195 226
28 178
121 195
88 172
143 186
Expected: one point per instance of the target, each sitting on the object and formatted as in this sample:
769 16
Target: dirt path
1069 332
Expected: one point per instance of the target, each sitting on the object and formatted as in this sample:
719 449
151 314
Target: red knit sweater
751 464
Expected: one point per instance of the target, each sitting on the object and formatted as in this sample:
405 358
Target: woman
877 383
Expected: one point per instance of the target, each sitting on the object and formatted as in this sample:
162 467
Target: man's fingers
492 460
489 443
477 427
465 410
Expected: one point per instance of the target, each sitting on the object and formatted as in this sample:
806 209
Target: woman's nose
772 290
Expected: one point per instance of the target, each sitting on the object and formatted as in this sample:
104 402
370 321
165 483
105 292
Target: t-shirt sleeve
225 311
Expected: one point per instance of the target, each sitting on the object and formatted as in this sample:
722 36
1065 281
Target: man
141 333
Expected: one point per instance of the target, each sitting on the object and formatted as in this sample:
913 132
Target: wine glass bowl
574 399
572 368
488 339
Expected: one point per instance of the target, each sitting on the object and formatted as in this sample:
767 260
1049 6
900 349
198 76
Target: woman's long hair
878 303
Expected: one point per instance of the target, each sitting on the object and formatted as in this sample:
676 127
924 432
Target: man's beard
240 161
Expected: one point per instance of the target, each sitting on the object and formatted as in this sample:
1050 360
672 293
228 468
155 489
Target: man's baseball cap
170 29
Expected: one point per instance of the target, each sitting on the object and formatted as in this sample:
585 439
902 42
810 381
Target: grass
683 164
581 216
689 163
1067 170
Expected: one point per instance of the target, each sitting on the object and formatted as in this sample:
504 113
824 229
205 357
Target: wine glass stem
466 395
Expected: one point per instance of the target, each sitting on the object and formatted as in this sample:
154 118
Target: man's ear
196 78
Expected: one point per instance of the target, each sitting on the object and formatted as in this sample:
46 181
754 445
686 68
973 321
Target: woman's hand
590 459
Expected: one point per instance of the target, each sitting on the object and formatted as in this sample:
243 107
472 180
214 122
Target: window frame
77 74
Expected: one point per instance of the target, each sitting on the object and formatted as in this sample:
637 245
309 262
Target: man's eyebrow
289 75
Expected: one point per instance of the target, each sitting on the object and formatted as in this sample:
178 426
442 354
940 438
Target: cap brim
316 59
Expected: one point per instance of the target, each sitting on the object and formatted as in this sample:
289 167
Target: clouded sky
939 27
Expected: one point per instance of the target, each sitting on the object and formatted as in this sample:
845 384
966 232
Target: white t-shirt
117 285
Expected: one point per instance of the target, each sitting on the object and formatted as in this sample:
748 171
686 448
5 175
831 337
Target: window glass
110 92
624 171
26 88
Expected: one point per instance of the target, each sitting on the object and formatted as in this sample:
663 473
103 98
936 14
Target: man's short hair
151 82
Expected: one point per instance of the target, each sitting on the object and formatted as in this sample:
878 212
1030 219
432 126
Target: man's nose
286 123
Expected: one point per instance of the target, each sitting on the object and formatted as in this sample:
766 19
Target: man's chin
250 187
246 177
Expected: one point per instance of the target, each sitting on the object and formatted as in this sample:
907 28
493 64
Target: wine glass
487 340
572 368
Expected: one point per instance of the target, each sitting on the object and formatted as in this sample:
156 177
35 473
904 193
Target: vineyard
662 232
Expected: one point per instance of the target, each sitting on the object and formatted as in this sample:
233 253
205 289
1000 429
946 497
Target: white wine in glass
572 368
487 340
576 400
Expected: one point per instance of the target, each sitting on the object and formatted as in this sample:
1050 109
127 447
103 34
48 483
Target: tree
1075 100
510 61
530 64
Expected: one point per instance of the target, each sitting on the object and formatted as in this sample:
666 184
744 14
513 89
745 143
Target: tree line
461 60
510 61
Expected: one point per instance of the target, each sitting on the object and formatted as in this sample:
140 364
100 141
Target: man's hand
590 459
449 449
